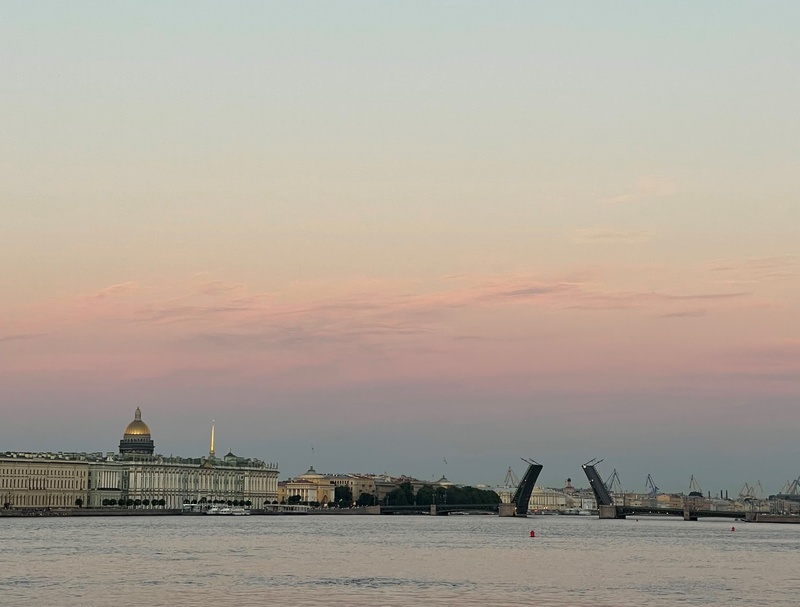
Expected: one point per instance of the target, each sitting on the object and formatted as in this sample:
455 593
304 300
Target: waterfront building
310 486
321 488
42 480
135 477
357 483
548 499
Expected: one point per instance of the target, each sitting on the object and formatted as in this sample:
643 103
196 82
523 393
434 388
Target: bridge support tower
609 511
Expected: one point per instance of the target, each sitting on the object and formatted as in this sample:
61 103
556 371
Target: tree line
427 495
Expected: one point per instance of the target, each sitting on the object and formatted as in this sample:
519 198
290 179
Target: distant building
309 487
134 477
53 480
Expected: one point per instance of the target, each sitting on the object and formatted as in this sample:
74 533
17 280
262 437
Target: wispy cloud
611 236
599 299
755 270
646 187
684 314
395 312
112 291
221 288
21 336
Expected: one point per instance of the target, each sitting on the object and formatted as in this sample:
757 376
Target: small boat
213 510
226 510
240 512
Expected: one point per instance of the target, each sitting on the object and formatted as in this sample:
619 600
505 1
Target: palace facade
134 477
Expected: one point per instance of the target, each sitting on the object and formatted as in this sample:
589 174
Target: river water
394 560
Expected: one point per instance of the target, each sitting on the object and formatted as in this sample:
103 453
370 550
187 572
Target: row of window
39 484
23 471
51 500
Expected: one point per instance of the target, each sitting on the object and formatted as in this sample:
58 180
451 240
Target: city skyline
406 236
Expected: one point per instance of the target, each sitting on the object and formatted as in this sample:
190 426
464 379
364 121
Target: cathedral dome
136 439
137 427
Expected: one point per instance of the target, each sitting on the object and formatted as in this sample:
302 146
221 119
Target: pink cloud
113 291
334 333
646 187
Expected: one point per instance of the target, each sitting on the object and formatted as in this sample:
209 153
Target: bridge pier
507 510
609 512
689 515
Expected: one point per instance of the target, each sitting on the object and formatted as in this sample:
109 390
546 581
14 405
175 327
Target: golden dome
137 427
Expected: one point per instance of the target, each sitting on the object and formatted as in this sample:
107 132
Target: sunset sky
406 233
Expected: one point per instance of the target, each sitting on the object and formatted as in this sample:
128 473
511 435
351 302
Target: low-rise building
309 487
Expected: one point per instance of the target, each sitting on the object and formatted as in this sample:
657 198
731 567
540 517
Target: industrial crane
694 488
511 479
613 483
751 492
653 490
791 487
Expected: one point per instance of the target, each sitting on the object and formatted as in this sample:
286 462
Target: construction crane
694 488
752 492
511 479
791 487
613 483
653 490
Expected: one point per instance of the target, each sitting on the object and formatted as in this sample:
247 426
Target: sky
405 237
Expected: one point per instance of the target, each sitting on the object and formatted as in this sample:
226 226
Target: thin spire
211 452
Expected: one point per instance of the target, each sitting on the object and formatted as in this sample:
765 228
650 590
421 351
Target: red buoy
533 533
733 528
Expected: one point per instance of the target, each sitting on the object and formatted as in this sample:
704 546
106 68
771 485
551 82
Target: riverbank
84 512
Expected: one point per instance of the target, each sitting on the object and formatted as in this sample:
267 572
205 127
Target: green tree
396 497
425 496
146 502
106 502
137 503
365 499
112 502
79 503
293 499
409 491
343 494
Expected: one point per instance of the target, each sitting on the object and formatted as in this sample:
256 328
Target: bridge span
610 510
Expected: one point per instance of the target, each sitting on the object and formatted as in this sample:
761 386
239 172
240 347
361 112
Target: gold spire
211 452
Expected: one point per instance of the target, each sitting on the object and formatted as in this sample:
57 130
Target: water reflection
465 560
